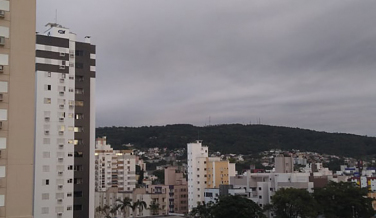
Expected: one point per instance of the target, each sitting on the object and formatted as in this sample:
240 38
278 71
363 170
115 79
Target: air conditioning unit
71 55
47 119
61 106
61 119
1 124
60 159
61 132
61 80
59 200
1 68
47 132
61 146
2 13
59 186
62 67
2 40
61 93
60 173
60 214
1 96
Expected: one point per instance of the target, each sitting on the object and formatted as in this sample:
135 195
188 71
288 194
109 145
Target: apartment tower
197 157
65 125
114 169
205 172
17 110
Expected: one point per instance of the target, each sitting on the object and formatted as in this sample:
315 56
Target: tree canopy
293 203
343 200
238 138
336 200
228 206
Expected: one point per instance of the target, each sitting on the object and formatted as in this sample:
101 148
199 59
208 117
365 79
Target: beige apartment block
17 81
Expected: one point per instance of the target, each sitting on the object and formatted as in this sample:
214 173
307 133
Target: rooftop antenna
56 16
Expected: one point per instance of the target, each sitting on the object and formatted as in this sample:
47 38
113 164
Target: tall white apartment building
197 157
65 125
114 168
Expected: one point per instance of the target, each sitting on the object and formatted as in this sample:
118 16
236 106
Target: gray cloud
290 63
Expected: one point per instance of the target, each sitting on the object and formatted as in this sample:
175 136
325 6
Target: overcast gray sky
308 64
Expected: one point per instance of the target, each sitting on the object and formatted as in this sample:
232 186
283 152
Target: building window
46 168
69 180
47 100
79 116
45 210
79 91
69 194
79 53
79 103
78 129
78 154
45 196
78 168
69 207
79 65
77 207
45 181
46 154
77 194
79 78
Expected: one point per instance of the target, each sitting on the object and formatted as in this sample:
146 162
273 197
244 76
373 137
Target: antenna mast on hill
56 16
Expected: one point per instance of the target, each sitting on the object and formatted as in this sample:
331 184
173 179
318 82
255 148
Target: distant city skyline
290 63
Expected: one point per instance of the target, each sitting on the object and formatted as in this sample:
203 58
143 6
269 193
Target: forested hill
240 139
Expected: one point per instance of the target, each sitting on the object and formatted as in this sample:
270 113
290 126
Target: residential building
197 159
65 125
261 186
114 168
17 110
176 190
205 172
284 164
171 197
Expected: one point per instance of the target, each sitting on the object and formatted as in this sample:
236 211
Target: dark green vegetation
122 205
336 200
241 139
228 206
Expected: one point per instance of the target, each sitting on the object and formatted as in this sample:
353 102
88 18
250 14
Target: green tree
293 203
343 200
104 211
140 180
160 175
236 206
140 205
203 210
123 204
154 208
228 206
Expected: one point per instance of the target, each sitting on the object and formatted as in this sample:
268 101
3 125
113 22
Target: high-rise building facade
197 157
65 125
205 172
17 88
114 169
